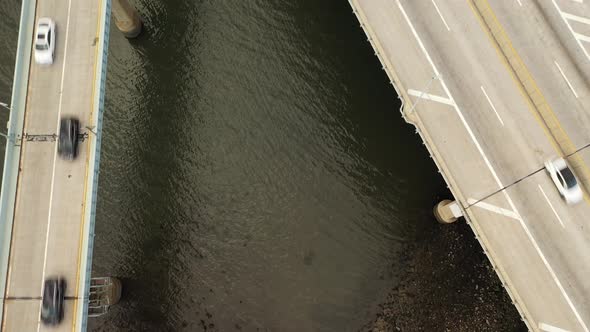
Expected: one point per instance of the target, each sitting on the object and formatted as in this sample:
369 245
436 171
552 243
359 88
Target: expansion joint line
522 178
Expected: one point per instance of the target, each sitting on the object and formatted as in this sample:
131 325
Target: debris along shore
448 285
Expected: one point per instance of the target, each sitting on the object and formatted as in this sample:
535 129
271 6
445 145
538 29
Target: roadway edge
15 127
96 121
415 120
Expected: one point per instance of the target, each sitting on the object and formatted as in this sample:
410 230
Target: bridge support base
447 211
104 292
126 18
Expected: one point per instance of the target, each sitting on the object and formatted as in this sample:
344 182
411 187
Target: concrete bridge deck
495 89
47 205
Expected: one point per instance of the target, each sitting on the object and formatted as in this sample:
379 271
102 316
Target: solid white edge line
551 206
565 78
428 96
521 221
571 29
441 16
550 328
491 104
63 71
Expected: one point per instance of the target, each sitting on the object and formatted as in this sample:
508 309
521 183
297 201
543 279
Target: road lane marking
428 96
551 206
550 328
532 94
576 35
444 86
576 18
495 176
98 37
491 104
61 87
520 3
566 80
441 16
477 10
493 208
582 37
546 263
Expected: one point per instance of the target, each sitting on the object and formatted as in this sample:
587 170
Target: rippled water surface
256 172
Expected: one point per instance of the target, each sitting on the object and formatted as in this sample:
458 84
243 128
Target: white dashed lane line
492 105
565 78
551 206
441 16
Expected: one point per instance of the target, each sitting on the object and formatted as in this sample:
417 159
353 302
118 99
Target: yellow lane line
531 91
88 152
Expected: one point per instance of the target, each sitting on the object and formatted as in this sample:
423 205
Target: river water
256 173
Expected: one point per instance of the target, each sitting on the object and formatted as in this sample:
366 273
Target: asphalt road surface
49 215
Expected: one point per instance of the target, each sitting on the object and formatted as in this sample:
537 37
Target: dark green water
256 173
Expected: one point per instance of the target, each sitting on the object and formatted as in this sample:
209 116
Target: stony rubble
448 285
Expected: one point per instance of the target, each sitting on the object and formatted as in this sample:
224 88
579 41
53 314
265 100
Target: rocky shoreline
448 285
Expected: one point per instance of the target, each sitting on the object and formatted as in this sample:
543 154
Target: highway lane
505 159
569 21
49 212
483 90
552 55
561 79
30 226
562 235
517 225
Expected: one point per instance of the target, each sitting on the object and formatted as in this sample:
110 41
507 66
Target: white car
564 180
45 41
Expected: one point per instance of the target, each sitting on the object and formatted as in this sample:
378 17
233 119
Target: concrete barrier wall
93 164
15 131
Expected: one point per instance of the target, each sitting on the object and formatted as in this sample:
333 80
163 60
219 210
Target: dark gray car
52 308
67 145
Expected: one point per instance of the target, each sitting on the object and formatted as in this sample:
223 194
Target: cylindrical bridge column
447 211
126 18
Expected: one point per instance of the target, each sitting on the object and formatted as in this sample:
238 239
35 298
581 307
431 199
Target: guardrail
93 163
15 129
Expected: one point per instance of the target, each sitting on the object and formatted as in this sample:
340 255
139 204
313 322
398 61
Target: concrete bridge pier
126 18
447 211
